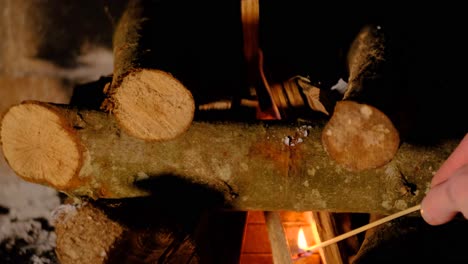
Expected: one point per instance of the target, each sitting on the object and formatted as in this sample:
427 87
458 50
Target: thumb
438 207
446 199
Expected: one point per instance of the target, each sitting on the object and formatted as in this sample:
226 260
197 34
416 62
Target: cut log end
359 136
39 146
85 234
152 105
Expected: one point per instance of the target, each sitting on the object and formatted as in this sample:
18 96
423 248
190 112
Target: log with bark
85 234
98 233
253 166
365 60
354 126
148 103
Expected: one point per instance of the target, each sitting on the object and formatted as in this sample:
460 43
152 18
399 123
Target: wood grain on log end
359 136
39 145
151 105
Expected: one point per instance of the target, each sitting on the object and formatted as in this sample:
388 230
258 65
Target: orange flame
301 240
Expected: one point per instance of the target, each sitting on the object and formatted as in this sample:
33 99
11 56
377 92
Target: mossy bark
253 166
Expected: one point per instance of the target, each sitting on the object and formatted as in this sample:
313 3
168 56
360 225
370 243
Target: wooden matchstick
364 228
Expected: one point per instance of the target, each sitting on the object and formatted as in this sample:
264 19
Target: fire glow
302 245
301 240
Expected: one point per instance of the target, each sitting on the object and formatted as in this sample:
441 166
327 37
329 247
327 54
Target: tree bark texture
365 60
253 166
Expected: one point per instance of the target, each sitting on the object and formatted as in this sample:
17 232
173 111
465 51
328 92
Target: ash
26 228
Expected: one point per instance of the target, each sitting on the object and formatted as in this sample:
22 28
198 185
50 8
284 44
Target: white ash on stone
26 231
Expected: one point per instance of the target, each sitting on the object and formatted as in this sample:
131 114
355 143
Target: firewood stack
143 145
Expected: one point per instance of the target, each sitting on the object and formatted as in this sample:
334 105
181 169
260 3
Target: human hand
449 188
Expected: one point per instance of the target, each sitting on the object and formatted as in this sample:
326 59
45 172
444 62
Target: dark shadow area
4 210
199 42
178 223
174 203
411 240
420 83
90 95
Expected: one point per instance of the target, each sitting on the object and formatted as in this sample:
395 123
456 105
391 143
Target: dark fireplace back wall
200 42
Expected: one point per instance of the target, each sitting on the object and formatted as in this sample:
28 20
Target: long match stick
363 228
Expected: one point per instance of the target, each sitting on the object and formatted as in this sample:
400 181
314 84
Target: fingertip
428 218
436 209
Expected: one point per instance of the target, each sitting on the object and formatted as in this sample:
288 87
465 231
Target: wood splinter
149 104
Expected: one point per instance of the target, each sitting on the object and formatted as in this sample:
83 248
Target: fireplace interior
254 70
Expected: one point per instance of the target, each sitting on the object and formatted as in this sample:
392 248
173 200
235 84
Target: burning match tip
299 255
